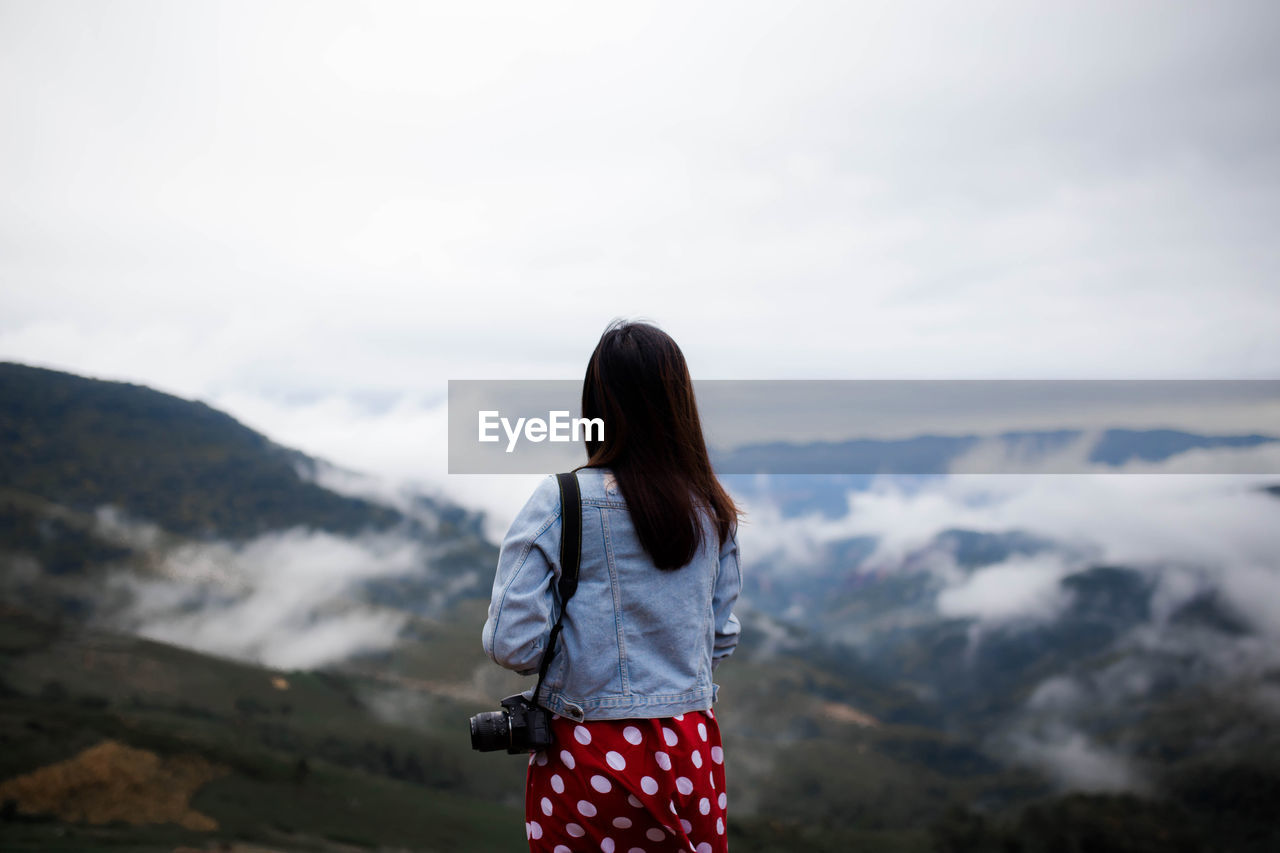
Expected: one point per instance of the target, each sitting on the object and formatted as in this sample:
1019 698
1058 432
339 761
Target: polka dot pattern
638 785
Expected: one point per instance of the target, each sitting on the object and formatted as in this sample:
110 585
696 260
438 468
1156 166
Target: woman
637 763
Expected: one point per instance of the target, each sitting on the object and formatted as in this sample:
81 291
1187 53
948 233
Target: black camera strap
570 559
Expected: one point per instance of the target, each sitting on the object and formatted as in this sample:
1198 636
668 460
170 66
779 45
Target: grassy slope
191 469
388 761
366 782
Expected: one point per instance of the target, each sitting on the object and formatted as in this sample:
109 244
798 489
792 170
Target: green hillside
308 765
191 469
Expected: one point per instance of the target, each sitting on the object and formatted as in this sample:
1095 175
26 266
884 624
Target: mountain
933 455
281 661
101 478
82 443
1137 682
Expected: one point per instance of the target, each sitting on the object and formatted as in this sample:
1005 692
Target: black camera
520 726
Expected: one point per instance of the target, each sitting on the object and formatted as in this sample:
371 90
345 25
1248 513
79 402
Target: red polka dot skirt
629 786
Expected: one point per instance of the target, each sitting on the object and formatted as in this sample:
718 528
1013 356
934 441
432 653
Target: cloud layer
292 599
1191 538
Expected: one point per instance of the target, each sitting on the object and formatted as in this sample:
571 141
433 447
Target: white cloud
1020 588
288 599
1189 532
1076 762
387 451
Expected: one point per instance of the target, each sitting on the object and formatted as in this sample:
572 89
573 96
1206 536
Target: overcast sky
314 215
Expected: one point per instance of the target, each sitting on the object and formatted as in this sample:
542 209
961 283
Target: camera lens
490 731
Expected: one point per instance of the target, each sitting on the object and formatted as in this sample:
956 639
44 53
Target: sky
313 215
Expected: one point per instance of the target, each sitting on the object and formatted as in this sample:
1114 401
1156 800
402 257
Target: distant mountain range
936 454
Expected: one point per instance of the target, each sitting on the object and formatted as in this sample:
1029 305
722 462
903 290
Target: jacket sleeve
521 608
728 587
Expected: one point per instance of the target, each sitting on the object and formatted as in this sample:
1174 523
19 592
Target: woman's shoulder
539 512
594 484
599 485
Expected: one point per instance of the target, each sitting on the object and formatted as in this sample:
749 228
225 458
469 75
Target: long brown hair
638 383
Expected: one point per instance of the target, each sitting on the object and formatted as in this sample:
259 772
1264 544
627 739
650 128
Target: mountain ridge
182 464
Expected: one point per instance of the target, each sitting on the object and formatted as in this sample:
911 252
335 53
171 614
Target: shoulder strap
571 540
570 560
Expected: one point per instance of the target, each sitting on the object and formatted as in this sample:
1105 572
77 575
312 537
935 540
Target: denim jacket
636 641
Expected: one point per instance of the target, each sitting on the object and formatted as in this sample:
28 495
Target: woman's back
636 642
